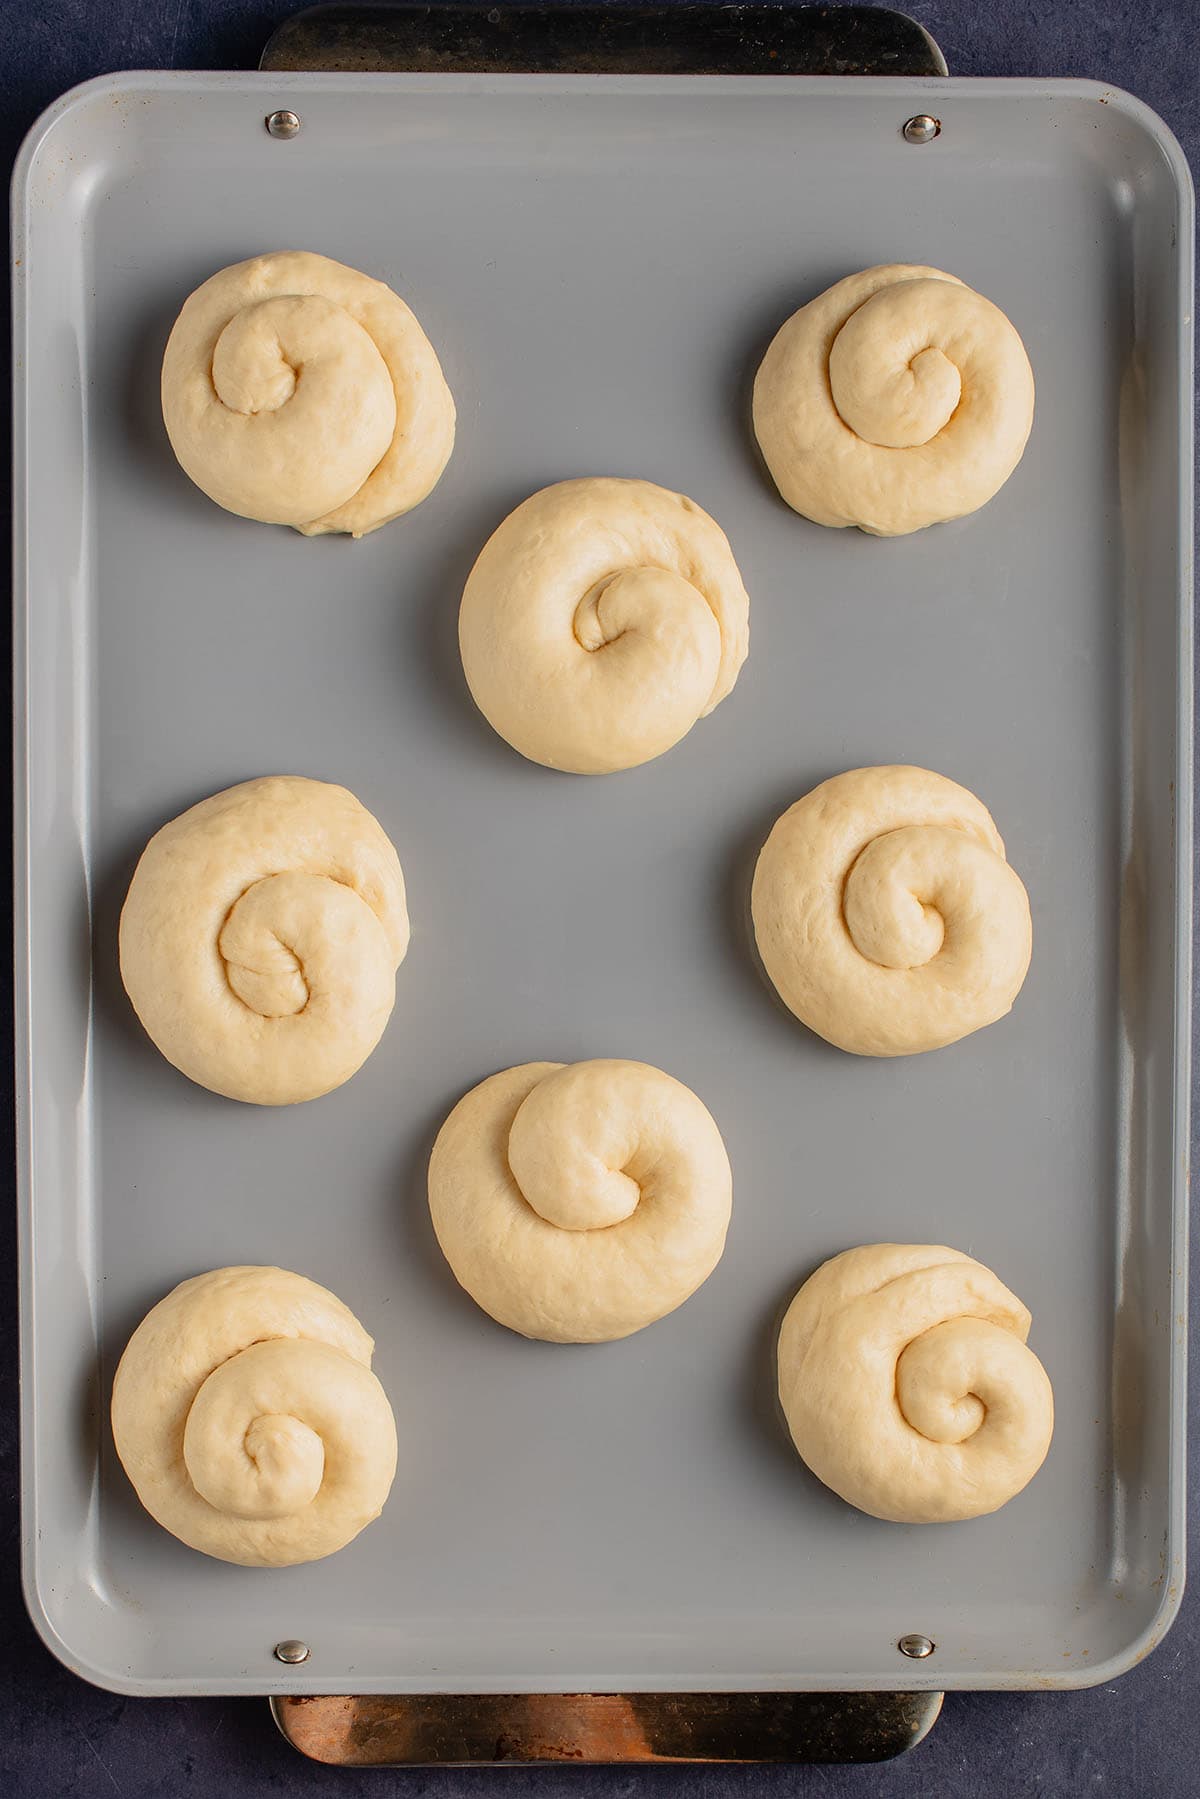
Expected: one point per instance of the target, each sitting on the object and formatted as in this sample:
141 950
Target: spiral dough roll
908 1387
300 392
601 620
886 915
260 939
896 400
579 1202
246 1415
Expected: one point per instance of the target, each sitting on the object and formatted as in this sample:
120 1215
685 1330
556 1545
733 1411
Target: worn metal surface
391 1730
588 39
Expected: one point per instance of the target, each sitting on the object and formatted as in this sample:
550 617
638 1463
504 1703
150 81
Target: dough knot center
892 383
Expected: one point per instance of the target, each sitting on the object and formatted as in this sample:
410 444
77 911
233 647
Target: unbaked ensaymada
246 1415
602 618
909 1387
886 914
897 399
260 939
580 1202
300 392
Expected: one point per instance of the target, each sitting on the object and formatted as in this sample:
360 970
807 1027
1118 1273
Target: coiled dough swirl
601 620
579 1202
300 392
260 939
886 915
908 1387
897 399
246 1415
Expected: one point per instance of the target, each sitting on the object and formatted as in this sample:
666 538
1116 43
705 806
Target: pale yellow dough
886 915
579 1202
300 392
601 620
246 1415
897 399
260 939
908 1387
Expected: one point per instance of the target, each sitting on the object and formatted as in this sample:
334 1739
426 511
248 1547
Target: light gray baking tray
600 263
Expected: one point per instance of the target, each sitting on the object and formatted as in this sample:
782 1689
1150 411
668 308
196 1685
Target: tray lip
1118 101
144 81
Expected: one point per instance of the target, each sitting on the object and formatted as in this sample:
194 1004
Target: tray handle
606 40
469 1729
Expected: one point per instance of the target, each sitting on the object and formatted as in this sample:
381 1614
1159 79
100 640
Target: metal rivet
922 128
915 1646
292 1650
284 124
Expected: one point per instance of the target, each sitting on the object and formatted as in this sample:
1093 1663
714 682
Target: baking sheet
600 263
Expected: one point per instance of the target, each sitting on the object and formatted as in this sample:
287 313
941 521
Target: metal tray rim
202 80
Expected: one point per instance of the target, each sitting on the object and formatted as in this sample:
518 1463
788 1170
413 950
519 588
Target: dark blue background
1139 1737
